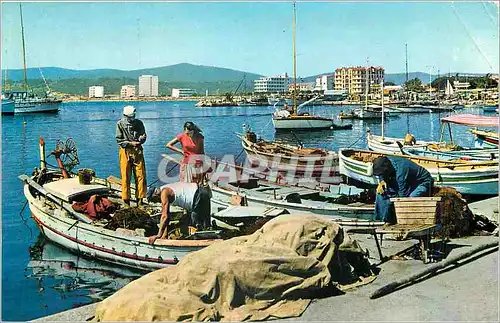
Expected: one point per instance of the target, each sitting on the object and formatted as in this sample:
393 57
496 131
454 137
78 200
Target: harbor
172 168
97 120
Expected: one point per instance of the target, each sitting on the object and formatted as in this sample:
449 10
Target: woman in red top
192 142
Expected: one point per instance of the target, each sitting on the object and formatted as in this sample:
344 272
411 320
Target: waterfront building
271 84
127 91
183 93
353 79
461 85
302 87
148 85
324 82
96 91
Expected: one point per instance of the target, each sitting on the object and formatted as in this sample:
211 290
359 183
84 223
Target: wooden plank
415 204
403 199
416 221
415 210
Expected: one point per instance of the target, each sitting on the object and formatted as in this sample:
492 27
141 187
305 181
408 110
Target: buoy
25 123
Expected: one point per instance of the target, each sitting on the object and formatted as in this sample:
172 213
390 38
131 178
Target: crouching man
189 196
398 177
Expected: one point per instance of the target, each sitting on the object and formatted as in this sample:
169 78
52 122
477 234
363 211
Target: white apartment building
324 82
354 79
96 91
127 91
271 84
183 93
148 85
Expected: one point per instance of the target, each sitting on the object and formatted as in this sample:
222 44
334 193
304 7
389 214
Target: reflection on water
74 276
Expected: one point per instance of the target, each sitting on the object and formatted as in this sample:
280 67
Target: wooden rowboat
474 178
315 162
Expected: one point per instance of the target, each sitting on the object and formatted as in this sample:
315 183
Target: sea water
40 278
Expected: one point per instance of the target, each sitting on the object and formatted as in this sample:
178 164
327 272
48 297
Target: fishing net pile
133 218
453 215
273 273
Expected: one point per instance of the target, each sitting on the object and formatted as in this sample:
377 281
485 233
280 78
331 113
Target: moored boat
384 144
297 199
285 157
474 178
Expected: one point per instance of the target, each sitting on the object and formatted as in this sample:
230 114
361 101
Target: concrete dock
466 291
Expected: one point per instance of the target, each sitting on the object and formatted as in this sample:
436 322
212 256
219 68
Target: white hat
129 111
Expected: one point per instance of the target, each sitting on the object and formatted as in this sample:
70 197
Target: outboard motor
293 198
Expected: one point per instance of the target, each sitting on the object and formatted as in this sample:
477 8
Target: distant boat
8 106
26 101
292 120
412 108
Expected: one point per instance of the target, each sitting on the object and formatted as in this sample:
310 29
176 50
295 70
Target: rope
357 140
24 220
168 172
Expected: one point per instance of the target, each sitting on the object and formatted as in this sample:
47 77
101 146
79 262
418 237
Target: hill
216 80
183 72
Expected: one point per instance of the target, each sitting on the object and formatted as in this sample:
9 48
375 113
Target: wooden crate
416 210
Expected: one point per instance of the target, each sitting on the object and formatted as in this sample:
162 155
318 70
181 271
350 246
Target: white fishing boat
286 120
464 154
411 108
296 199
50 194
26 101
473 178
390 145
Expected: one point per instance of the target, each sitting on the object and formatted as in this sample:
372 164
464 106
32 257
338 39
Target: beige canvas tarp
272 273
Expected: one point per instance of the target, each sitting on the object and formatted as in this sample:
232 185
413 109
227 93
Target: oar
389 288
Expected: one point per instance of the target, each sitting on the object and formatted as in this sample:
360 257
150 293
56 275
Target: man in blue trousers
398 177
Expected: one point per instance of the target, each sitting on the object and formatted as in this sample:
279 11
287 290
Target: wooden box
416 210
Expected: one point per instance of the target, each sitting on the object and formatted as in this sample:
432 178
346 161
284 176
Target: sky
254 37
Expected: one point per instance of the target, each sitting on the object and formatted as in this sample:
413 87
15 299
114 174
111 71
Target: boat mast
406 89
24 50
294 50
383 112
366 83
406 63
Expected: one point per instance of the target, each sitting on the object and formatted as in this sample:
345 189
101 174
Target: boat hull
8 107
222 196
411 109
104 244
389 144
312 166
302 123
37 107
482 180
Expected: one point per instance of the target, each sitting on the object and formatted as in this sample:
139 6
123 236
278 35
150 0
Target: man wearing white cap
130 135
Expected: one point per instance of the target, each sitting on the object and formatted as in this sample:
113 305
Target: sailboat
408 107
293 120
26 101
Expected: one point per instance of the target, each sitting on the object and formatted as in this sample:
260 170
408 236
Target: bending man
398 177
130 135
189 196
